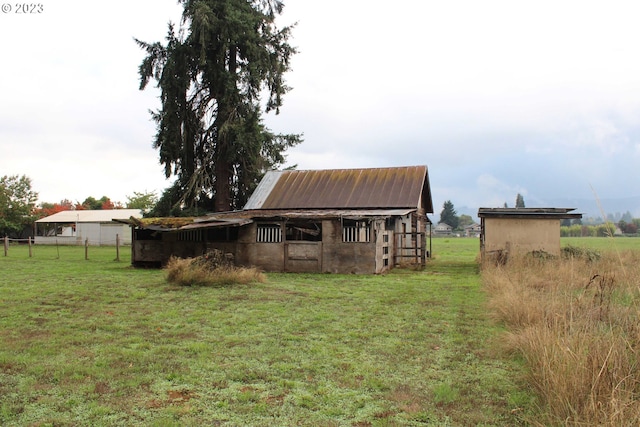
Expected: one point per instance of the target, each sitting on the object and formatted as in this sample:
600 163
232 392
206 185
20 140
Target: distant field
465 246
603 243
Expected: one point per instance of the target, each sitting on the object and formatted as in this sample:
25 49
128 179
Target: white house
473 230
443 229
73 227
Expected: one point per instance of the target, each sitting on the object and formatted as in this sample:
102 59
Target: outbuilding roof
532 213
100 215
373 188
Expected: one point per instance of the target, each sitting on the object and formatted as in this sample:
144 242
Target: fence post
6 245
30 252
86 248
118 247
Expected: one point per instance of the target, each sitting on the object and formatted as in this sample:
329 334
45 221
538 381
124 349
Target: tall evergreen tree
448 215
519 201
211 74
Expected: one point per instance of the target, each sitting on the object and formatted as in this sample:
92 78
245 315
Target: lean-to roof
240 218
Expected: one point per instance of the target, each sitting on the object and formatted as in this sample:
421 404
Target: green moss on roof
165 222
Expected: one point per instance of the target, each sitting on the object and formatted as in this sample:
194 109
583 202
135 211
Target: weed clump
541 255
212 269
580 253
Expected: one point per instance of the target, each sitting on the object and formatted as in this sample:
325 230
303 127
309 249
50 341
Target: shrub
211 269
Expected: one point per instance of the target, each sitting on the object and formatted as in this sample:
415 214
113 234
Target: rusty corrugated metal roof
393 187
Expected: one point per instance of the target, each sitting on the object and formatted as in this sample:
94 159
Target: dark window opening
222 234
308 231
146 234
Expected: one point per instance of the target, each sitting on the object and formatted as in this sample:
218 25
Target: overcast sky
497 98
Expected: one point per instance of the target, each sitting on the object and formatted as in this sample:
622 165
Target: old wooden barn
334 221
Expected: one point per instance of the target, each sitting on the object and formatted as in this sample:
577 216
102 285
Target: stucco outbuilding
511 231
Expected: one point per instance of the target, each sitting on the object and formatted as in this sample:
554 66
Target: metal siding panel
262 190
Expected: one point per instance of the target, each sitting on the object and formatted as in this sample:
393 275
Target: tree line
607 229
449 216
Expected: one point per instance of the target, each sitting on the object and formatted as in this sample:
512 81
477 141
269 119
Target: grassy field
603 243
95 342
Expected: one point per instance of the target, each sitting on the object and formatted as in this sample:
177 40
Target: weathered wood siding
303 257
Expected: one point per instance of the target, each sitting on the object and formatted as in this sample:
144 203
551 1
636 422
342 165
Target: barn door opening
410 248
303 246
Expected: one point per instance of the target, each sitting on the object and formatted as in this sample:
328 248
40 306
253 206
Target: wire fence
9 245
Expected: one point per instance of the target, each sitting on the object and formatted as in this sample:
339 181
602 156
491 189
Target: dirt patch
173 397
275 400
101 388
176 396
9 368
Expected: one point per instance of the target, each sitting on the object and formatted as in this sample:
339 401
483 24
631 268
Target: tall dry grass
199 272
575 322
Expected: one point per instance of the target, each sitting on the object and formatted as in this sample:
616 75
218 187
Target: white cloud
496 97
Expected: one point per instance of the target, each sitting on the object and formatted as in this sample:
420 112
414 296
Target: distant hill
589 208
592 208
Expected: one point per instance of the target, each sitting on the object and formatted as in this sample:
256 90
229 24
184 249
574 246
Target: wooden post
118 247
30 250
6 245
86 248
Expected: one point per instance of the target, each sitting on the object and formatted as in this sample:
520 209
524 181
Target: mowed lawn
95 342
